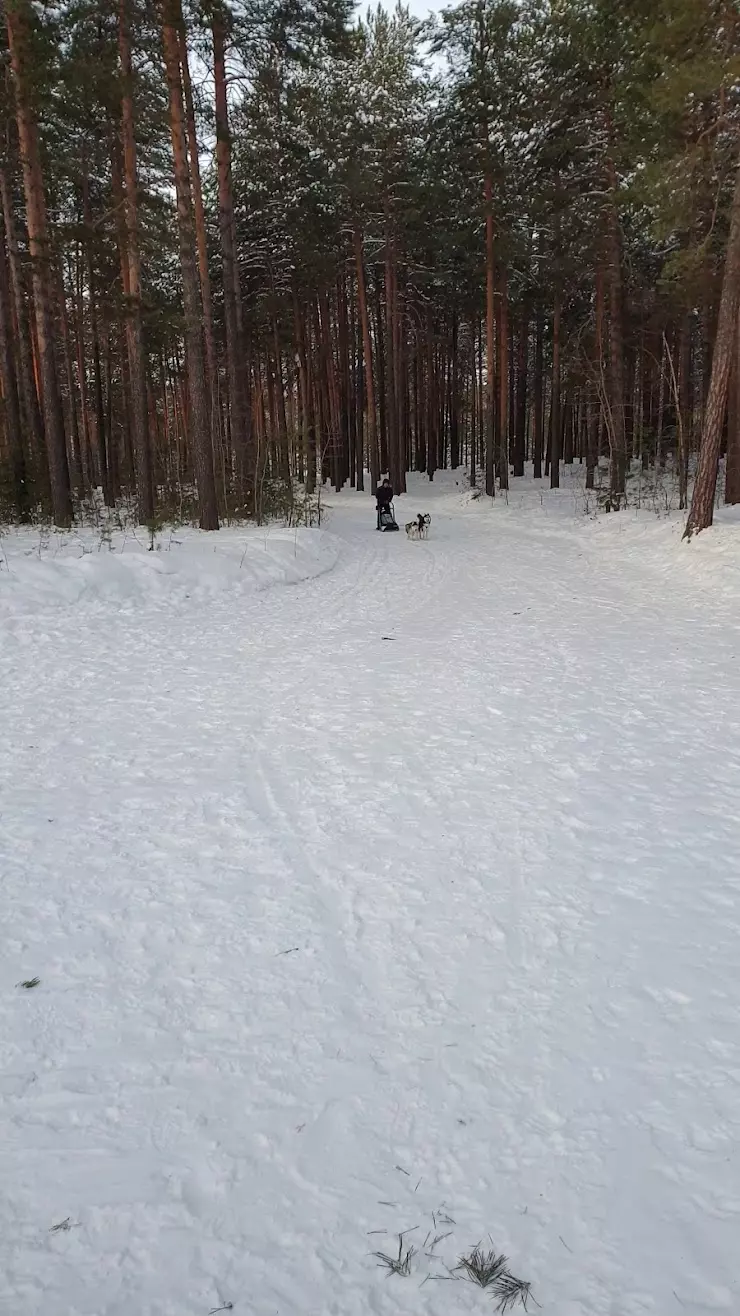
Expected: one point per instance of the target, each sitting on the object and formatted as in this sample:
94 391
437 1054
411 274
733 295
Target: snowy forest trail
405 894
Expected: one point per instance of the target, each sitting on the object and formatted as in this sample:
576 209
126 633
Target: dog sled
387 518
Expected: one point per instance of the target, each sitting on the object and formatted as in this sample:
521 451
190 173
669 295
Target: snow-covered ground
403 898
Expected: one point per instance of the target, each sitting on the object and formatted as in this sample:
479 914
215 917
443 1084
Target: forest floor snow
404 899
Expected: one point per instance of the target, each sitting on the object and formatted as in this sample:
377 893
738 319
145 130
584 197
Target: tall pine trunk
73 429
616 335
367 356
538 420
555 412
32 423
503 383
43 282
85 424
732 470
454 395
591 436
282 419
430 417
391 382
399 375
235 366
490 423
520 429
134 333
11 405
473 477
199 409
702 502
92 301
200 222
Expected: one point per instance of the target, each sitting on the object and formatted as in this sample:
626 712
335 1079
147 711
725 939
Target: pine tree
200 410
19 25
132 280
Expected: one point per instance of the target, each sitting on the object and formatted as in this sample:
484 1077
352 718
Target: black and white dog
419 529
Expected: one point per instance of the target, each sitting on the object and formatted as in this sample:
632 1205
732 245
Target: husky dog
419 529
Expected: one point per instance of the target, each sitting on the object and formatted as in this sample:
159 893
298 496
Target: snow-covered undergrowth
401 902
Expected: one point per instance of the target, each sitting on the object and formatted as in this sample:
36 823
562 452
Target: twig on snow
400 1265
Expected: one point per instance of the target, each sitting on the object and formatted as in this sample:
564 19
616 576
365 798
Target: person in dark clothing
383 497
384 493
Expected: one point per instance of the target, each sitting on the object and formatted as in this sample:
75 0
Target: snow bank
646 538
710 562
40 571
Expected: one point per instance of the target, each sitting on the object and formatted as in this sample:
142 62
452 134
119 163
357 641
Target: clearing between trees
401 899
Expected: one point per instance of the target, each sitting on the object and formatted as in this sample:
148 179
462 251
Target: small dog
419 529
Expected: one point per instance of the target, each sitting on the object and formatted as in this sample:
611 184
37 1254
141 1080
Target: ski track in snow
335 932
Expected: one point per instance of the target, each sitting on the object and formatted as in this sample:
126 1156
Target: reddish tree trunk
367 356
303 389
131 276
702 503
591 437
454 396
73 429
391 380
522 361
555 413
490 424
684 417
399 344
616 336
85 441
11 406
538 419
567 430
235 365
732 468
503 383
346 462
282 420
430 419
381 373
200 415
200 221
92 301
29 401
43 284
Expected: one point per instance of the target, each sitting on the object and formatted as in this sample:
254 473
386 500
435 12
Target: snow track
340 933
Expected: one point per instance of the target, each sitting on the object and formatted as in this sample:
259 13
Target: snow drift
43 571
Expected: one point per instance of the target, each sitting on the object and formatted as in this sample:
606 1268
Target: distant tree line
252 246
